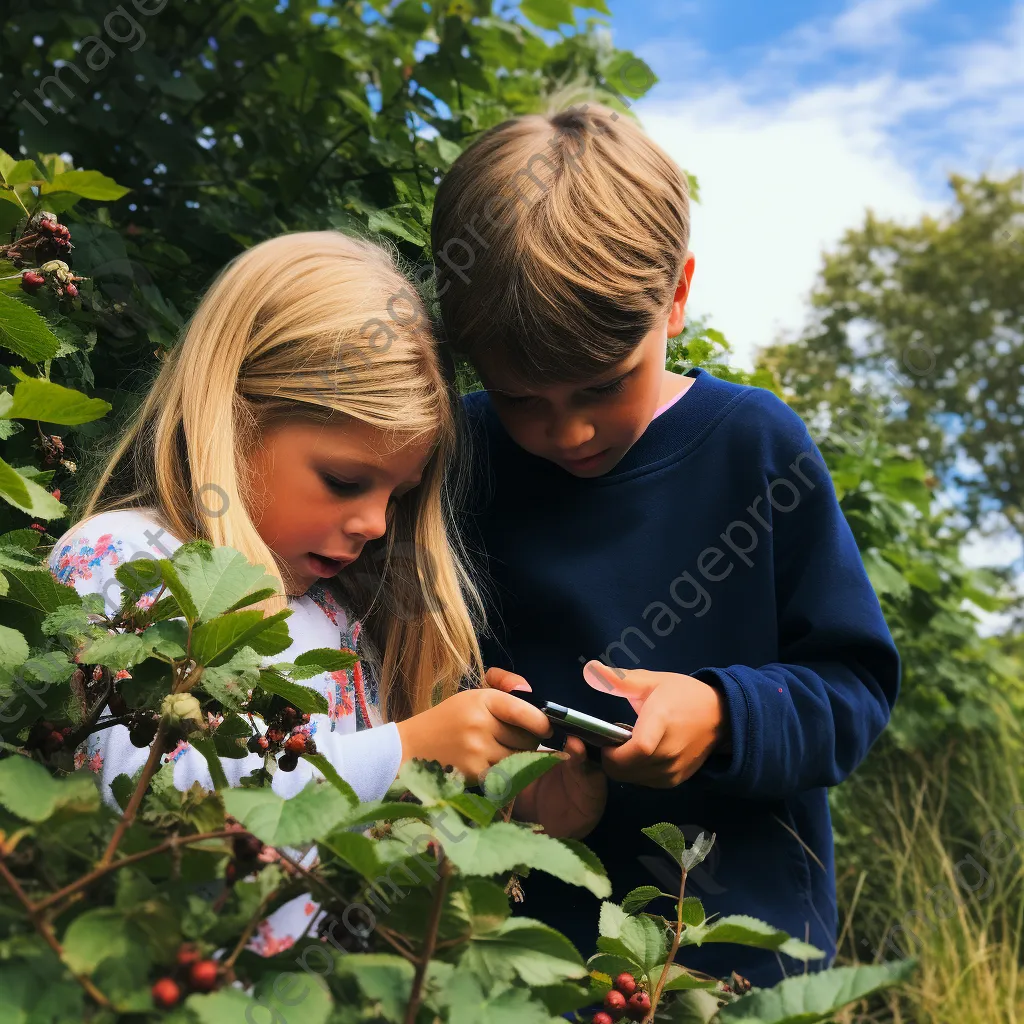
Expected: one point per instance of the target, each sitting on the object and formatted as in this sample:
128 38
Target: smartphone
595 732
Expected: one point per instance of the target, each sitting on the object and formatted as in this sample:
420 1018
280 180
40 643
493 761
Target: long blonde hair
310 326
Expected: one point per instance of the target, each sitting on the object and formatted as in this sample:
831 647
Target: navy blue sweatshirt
715 548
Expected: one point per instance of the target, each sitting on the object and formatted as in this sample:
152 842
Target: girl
304 420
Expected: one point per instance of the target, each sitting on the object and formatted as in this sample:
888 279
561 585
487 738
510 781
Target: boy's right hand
472 730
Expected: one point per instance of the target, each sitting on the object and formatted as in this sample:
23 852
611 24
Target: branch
672 952
156 750
86 880
429 942
43 927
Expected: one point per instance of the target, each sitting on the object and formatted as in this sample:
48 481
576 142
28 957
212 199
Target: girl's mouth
321 565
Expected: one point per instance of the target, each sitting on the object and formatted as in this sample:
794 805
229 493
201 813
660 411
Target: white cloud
782 178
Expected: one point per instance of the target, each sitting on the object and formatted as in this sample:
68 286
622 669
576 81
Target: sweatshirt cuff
727 767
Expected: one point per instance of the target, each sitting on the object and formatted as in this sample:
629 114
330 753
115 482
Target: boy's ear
677 315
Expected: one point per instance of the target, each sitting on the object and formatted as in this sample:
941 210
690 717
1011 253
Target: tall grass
930 864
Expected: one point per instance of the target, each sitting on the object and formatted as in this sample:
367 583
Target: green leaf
25 332
87 184
511 775
330 773
166 639
231 682
693 912
27 494
669 838
884 576
427 785
209 581
383 220
37 399
526 950
37 589
231 736
475 807
641 938
504 846
636 899
695 1007
13 648
549 14
215 641
97 935
323 659
29 792
808 998
680 980
313 812
300 697
138 576
116 651
206 747
383 978
469 1004
749 931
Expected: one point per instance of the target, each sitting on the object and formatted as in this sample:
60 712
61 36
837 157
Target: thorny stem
156 750
671 953
429 941
43 927
86 880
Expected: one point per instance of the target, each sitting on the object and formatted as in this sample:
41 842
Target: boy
677 536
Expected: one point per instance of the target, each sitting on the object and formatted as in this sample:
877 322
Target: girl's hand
473 730
680 721
569 800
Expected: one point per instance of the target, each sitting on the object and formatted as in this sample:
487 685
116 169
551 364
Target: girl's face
321 491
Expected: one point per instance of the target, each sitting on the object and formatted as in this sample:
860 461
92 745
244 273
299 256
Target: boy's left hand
680 721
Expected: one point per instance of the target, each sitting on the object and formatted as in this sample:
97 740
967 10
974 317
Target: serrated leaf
24 332
97 935
504 846
213 579
323 659
749 931
641 938
383 979
636 899
426 785
669 838
39 590
37 399
214 641
526 950
549 14
809 998
27 495
13 648
87 184
29 792
313 812
505 780
116 651
330 773
300 697
678 979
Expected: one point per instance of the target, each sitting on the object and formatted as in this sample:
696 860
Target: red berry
31 281
71 291
188 954
275 735
165 993
615 1003
626 983
296 744
203 976
601 1018
639 1006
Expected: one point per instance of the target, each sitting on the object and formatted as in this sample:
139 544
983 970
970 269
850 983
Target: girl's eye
518 399
344 487
611 388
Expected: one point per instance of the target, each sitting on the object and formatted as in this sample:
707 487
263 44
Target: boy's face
587 427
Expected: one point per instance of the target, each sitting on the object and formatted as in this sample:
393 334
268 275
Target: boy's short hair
558 242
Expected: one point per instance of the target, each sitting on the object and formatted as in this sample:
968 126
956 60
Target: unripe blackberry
296 743
31 282
639 1006
165 993
626 983
258 744
203 976
615 1003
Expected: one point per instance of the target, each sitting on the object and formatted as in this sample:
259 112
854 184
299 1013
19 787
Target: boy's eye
611 388
517 399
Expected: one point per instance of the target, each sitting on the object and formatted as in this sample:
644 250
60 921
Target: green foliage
918 330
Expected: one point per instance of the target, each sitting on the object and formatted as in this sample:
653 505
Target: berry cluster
250 855
57 274
193 974
287 732
47 738
626 999
44 238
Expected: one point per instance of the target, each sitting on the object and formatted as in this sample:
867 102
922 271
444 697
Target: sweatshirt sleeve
807 719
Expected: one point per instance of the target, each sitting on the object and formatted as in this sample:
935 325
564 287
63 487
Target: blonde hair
313 326
558 242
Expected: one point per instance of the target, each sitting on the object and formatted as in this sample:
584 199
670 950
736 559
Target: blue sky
798 117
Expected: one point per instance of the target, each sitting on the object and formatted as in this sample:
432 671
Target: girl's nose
369 520
571 432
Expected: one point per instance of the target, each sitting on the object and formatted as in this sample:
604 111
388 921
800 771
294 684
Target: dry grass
935 870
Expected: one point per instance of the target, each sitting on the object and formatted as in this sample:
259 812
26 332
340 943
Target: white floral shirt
365 752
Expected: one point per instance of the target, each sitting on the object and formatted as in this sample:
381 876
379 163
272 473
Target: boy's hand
569 800
680 721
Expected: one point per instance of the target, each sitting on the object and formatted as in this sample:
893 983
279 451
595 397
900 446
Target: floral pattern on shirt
77 561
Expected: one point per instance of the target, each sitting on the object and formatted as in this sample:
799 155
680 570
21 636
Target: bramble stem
677 938
430 940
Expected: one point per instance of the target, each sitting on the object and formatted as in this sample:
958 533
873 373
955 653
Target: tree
918 331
